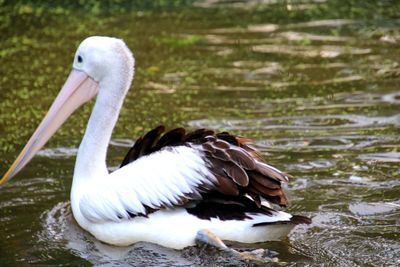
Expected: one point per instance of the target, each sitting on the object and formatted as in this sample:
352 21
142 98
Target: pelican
172 188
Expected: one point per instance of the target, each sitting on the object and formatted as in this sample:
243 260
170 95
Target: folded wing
179 168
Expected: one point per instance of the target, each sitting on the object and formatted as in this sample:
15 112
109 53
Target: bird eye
80 59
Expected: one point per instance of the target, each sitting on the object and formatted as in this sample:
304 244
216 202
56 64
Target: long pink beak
77 90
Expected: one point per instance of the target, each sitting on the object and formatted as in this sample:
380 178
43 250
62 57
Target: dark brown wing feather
143 146
154 140
171 138
241 178
238 168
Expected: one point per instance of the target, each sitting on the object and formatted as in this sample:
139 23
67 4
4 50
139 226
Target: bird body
170 185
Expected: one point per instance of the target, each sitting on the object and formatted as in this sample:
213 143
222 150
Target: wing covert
163 179
163 171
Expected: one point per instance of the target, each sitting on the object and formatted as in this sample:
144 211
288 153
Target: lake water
314 83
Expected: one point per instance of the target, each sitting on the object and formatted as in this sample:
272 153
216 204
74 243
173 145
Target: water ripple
58 152
328 241
299 122
384 157
393 98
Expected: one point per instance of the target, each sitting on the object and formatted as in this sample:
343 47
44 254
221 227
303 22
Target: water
314 83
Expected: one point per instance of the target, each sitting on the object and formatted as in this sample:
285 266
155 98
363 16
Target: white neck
91 158
115 74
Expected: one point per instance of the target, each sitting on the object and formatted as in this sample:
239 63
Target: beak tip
3 181
6 177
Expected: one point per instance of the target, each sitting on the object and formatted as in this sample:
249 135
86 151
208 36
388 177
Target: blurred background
314 83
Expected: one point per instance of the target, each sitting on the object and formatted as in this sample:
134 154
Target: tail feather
295 220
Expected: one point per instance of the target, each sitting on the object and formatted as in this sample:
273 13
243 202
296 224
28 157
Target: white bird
171 189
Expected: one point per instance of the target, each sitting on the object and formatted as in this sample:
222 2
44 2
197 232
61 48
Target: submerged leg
207 238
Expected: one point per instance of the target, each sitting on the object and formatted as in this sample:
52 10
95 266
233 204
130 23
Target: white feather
141 183
177 229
